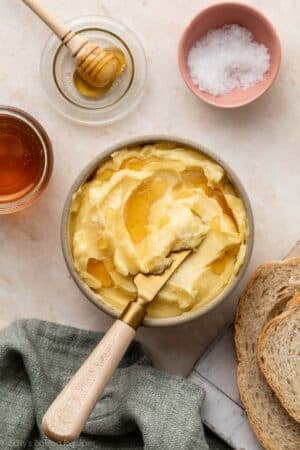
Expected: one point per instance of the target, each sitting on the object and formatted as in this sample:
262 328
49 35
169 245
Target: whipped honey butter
143 203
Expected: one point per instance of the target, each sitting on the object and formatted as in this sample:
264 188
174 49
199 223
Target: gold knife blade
148 286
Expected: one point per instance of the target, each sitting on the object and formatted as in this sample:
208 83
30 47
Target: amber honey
25 160
100 271
139 204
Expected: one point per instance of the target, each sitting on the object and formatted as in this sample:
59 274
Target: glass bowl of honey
26 160
72 97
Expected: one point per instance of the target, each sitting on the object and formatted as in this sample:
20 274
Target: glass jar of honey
26 160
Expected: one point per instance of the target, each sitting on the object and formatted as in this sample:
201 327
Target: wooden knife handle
67 415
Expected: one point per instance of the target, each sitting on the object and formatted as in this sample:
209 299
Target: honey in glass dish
25 160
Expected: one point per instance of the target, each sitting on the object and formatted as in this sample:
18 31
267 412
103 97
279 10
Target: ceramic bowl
89 170
217 16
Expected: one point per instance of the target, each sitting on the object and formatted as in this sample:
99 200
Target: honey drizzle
99 270
139 204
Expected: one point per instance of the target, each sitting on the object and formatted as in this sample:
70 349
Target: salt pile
227 58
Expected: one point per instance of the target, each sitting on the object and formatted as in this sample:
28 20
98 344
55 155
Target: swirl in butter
143 203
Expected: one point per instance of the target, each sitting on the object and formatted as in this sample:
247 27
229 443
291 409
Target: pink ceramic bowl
224 14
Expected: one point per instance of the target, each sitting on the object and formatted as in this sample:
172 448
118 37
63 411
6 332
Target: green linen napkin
142 407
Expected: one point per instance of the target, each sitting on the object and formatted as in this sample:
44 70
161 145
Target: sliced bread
279 356
265 296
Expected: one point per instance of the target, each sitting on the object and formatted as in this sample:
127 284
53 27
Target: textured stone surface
260 142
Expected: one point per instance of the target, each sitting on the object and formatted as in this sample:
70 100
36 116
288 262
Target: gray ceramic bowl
89 170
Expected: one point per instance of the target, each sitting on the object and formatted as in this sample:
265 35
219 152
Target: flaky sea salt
227 58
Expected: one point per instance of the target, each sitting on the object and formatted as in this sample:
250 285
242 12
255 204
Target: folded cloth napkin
142 407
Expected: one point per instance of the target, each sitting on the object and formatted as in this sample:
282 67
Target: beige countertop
260 142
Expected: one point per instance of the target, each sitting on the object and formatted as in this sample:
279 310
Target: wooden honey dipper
97 66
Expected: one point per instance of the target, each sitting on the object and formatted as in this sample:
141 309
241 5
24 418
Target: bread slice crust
265 296
270 330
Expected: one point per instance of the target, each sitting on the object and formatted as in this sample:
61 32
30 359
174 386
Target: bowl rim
181 60
90 168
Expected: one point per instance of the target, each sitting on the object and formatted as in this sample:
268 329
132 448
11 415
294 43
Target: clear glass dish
57 69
